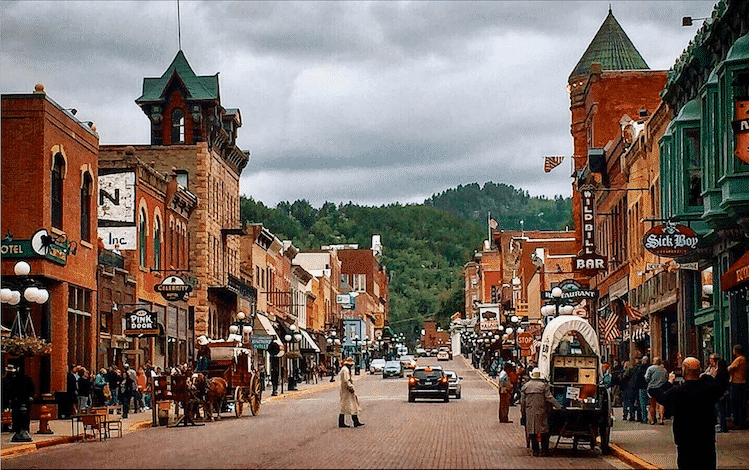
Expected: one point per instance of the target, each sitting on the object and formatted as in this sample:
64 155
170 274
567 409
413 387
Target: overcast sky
370 102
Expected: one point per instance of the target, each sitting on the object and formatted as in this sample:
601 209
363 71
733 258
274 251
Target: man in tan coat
349 400
534 397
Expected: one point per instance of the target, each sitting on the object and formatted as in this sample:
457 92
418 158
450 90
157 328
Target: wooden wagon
570 361
234 364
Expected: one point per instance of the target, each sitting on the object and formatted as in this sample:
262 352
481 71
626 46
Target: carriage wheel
238 403
257 394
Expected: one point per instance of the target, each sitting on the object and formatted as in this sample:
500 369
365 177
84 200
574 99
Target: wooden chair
94 422
114 419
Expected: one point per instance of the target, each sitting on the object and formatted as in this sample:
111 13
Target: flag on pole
552 162
611 328
633 314
493 223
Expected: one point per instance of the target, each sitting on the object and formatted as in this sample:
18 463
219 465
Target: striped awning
265 324
307 344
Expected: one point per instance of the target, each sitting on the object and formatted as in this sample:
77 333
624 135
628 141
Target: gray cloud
370 102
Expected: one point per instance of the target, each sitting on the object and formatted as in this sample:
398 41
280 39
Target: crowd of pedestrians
635 383
110 386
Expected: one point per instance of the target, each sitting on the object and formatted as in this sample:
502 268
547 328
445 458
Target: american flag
633 314
552 162
611 328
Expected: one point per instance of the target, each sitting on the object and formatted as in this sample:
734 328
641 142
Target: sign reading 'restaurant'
670 240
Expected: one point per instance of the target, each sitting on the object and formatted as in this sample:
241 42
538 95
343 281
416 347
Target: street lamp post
294 338
22 292
332 342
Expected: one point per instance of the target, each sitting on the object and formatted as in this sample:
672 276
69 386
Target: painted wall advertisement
117 197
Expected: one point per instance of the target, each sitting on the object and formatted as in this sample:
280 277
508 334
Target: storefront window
706 292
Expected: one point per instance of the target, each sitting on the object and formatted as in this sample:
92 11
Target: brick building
49 168
193 135
144 217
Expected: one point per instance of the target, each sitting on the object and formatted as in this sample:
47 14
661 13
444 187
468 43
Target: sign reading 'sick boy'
670 240
141 322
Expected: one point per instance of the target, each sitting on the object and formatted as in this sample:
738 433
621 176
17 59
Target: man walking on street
641 389
693 405
349 400
505 393
737 388
535 396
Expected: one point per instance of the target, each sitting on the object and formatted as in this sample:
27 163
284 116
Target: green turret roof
198 88
612 49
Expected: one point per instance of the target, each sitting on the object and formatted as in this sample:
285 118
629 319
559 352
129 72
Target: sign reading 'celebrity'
670 240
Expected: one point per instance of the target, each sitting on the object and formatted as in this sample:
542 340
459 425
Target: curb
631 459
33 446
306 391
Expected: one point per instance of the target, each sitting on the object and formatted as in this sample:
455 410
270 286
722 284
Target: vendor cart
233 363
570 360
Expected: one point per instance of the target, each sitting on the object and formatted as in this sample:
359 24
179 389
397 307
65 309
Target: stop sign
525 340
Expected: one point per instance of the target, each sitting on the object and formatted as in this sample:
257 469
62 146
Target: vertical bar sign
589 234
589 262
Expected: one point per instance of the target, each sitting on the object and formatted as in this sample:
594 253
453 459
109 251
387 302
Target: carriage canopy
554 334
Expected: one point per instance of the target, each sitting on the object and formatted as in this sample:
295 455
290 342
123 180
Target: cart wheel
238 404
605 432
256 397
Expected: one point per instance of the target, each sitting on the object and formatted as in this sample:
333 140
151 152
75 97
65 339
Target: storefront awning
737 274
308 344
264 323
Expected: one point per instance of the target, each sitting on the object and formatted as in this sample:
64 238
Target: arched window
142 237
58 171
156 243
86 189
178 126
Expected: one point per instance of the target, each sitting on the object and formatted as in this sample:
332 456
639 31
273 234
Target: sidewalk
652 446
63 433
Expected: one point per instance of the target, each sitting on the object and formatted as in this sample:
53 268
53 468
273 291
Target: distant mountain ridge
507 205
424 245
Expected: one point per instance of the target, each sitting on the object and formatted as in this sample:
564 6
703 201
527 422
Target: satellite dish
41 242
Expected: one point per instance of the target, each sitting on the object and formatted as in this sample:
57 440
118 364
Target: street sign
525 353
173 288
261 341
141 322
525 340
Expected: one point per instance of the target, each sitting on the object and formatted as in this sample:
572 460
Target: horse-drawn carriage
233 364
569 358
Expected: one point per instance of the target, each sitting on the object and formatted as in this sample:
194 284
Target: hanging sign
670 240
173 288
741 130
141 322
588 261
42 244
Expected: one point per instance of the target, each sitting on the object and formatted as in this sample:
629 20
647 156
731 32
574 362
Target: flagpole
489 227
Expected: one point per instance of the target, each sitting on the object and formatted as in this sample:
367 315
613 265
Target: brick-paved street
302 432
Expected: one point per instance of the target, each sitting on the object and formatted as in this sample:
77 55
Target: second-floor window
693 166
359 282
86 189
58 170
156 243
142 237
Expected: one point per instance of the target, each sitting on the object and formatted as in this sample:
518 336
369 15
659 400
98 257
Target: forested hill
508 206
424 245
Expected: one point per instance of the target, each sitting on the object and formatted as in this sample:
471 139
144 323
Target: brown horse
211 393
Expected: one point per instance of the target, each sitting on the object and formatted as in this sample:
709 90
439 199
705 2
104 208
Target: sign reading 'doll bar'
670 240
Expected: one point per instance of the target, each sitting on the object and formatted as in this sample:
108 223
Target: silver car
375 367
453 383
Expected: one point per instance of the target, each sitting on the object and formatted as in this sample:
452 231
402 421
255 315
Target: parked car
392 369
375 367
443 356
421 352
454 383
428 382
408 362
